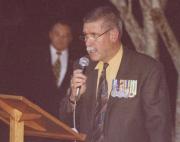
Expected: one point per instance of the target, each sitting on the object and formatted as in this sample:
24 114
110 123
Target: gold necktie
57 68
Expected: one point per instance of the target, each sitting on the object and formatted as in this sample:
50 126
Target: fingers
78 79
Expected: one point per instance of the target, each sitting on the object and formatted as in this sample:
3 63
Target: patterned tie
57 67
102 98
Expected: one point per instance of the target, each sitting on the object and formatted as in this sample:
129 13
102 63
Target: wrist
72 100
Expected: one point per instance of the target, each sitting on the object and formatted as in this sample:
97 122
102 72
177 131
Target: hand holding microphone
78 81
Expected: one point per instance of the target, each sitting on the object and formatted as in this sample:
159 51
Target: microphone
83 62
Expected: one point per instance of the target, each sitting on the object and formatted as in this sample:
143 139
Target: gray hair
109 14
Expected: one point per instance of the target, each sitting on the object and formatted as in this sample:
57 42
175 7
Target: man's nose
89 42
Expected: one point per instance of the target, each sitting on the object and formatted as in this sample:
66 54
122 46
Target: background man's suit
37 81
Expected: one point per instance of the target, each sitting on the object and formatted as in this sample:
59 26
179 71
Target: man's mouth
91 50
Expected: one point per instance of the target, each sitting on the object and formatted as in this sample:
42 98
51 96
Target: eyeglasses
93 36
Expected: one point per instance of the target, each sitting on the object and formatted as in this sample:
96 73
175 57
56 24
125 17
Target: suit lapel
91 92
125 63
122 72
66 81
92 83
50 66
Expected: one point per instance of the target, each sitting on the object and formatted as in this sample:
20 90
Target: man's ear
114 35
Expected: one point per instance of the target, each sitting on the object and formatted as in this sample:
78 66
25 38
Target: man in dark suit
45 72
45 69
124 96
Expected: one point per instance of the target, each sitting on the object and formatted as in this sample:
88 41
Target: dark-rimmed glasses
93 36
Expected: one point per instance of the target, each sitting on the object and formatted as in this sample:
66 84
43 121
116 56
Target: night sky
33 17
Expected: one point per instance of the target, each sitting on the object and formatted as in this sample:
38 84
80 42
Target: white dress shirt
64 62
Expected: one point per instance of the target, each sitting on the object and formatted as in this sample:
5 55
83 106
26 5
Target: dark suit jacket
36 79
143 118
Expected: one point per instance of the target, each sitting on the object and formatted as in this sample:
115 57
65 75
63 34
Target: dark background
26 22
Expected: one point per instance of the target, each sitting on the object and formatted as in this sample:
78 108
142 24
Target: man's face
98 41
60 36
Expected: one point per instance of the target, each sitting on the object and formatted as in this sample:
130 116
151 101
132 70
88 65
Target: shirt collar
112 61
54 51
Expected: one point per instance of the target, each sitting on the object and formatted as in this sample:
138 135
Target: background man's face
60 36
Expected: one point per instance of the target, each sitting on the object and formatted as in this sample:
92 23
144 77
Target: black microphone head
83 62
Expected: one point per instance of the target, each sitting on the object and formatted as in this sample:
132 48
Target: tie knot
105 65
58 53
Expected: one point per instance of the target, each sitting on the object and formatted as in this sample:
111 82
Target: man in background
46 72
